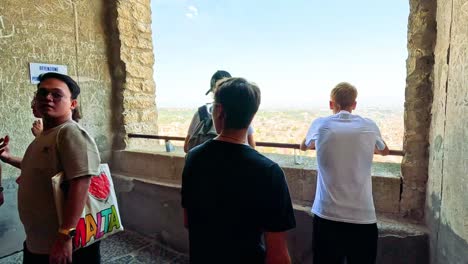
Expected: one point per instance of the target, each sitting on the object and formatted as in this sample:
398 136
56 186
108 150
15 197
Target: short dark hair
240 100
76 114
72 85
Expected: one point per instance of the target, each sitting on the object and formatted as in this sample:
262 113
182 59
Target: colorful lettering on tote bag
95 227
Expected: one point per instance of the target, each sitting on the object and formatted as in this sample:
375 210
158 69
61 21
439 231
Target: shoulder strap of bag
203 113
206 120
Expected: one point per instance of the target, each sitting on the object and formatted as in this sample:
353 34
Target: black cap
218 75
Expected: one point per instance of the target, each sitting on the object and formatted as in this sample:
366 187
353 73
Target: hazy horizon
294 107
289 126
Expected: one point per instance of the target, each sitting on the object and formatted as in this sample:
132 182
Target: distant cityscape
290 126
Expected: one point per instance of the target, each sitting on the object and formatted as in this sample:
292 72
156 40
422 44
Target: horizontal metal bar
131 135
259 144
394 152
277 145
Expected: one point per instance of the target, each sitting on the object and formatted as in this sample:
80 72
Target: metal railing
258 144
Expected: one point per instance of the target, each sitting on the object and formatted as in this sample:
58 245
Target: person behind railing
201 127
344 215
231 194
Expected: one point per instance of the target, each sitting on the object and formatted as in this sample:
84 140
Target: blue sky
295 50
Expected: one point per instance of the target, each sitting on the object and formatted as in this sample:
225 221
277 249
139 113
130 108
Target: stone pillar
137 94
418 94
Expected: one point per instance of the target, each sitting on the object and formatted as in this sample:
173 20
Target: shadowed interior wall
70 33
447 186
108 50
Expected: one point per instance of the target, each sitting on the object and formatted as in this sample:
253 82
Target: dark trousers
335 242
88 255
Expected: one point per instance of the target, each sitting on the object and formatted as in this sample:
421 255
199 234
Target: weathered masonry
107 47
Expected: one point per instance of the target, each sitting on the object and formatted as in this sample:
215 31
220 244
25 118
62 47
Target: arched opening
295 52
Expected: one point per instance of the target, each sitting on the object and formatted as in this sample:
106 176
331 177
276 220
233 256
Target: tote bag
100 217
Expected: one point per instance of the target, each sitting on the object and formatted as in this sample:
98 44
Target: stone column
139 113
419 95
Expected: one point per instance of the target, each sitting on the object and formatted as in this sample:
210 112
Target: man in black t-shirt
231 194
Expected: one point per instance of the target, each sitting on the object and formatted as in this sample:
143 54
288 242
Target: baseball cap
218 75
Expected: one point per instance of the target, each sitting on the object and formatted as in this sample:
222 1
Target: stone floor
126 247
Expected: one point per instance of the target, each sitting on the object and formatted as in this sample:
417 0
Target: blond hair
344 95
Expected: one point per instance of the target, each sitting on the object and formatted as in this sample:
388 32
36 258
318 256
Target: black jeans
335 242
88 255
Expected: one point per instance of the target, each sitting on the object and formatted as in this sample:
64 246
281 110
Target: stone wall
447 187
136 62
70 33
65 32
418 101
107 48
148 189
166 168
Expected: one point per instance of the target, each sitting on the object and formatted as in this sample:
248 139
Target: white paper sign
35 69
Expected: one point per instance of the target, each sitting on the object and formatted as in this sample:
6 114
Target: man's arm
312 135
79 158
278 217
187 138
75 201
383 152
13 161
251 140
304 147
192 126
380 147
276 248
5 154
73 208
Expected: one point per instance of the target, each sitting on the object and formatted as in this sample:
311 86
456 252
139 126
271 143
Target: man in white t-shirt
345 224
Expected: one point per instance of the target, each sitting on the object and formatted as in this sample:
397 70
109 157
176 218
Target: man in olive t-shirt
63 146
